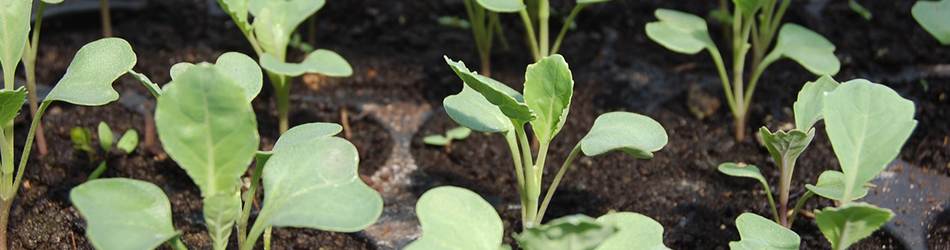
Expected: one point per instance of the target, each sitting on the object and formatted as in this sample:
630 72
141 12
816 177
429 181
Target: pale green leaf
458 133
280 19
208 128
470 109
89 77
785 147
321 61
124 214
806 47
11 101
680 32
748 7
572 232
867 124
548 89
831 185
152 87
105 136
82 137
636 134
53 1
220 211
502 6
244 70
845 225
932 15
305 132
809 105
744 170
129 141
238 10
436 140
455 218
509 101
14 32
635 232
759 233
178 69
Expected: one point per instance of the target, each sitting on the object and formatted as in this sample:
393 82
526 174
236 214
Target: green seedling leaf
864 12
932 15
808 107
455 218
239 67
89 77
759 233
238 10
14 31
831 185
572 232
636 134
208 128
82 137
129 141
748 7
634 232
220 211
436 140
179 68
152 87
105 136
511 103
681 32
275 21
123 214
458 133
806 47
845 225
322 61
744 170
304 132
52 1
785 147
471 110
867 124
502 6
10 103
548 89
454 21
315 184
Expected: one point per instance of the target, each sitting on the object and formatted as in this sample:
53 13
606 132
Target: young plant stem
565 27
267 236
96 173
8 192
798 207
544 14
785 184
499 31
532 183
720 66
29 64
532 41
5 205
106 19
282 94
557 181
740 48
176 244
248 198
519 172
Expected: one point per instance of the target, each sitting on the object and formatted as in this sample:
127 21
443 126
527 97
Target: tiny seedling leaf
471 110
757 232
679 31
572 232
636 134
785 147
458 133
932 15
10 103
635 232
123 214
455 218
89 77
315 184
305 132
82 137
275 21
436 140
743 170
867 124
321 61
548 89
14 32
508 100
105 136
220 211
808 107
806 47
502 6
831 185
129 141
845 225
151 86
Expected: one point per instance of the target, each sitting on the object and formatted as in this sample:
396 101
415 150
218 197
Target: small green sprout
82 140
858 8
459 133
932 15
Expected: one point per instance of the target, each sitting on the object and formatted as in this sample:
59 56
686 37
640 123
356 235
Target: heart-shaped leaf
321 61
634 232
636 134
124 214
806 47
14 32
11 101
572 232
785 147
314 184
239 67
681 32
208 127
471 110
89 77
757 232
548 89
809 105
932 15
867 124
831 185
502 6
129 141
845 225
105 136
508 100
455 218
305 132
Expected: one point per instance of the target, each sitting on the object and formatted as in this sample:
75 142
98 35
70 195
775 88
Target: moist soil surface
396 49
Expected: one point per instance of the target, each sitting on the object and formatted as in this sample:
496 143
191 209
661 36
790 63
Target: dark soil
396 50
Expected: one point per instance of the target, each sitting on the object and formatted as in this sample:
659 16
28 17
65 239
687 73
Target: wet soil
396 50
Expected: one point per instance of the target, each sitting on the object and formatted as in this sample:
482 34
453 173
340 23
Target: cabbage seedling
489 106
454 134
270 34
206 124
867 124
485 25
82 140
686 33
932 15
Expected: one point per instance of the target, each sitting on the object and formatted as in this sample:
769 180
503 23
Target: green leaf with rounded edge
831 185
867 124
757 233
932 15
179 68
572 232
458 133
744 170
11 101
634 232
321 61
89 77
105 136
591 1
220 211
786 147
806 47
244 70
636 134
14 32
455 218
680 32
275 21
845 225
809 105
53 1
436 140
748 7
305 132
502 6
548 88
315 184
208 128
124 214
129 141
471 110
238 10
508 100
